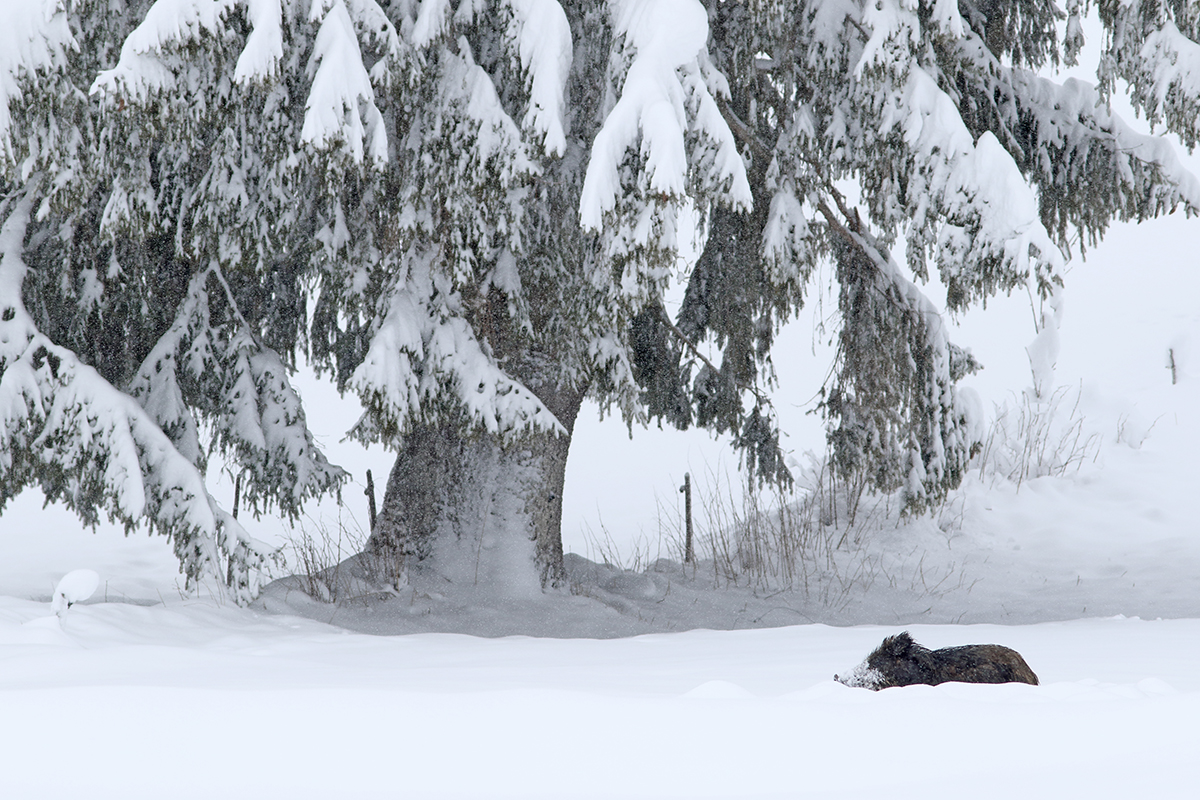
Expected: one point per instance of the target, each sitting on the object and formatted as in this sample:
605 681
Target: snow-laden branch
538 36
433 20
264 46
424 347
992 210
917 438
468 169
141 71
156 385
968 189
1155 47
1168 77
947 17
1071 114
894 31
470 98
543 38
664 41
340 108
92 446
244 392
34 35
341 104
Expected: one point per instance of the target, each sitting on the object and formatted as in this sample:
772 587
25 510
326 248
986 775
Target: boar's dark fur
900 661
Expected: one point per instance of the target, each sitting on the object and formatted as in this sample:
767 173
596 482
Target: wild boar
900 661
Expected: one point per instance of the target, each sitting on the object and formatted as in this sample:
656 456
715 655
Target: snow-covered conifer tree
935 112
468 213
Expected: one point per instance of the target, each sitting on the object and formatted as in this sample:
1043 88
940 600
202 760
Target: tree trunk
476 510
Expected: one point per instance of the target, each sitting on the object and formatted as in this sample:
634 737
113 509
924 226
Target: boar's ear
897 645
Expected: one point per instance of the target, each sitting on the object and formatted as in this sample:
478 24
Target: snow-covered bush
332 563
1035 437
829 542
317 556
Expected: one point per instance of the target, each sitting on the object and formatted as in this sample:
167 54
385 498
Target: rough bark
476 508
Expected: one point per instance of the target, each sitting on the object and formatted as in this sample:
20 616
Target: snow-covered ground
195 701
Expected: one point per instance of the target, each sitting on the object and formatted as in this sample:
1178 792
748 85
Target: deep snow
197 701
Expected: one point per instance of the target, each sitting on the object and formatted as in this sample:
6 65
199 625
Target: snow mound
75 587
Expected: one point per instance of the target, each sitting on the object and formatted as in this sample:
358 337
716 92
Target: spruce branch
759 397
743 132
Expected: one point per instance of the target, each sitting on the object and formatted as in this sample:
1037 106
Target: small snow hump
900 661
75 587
